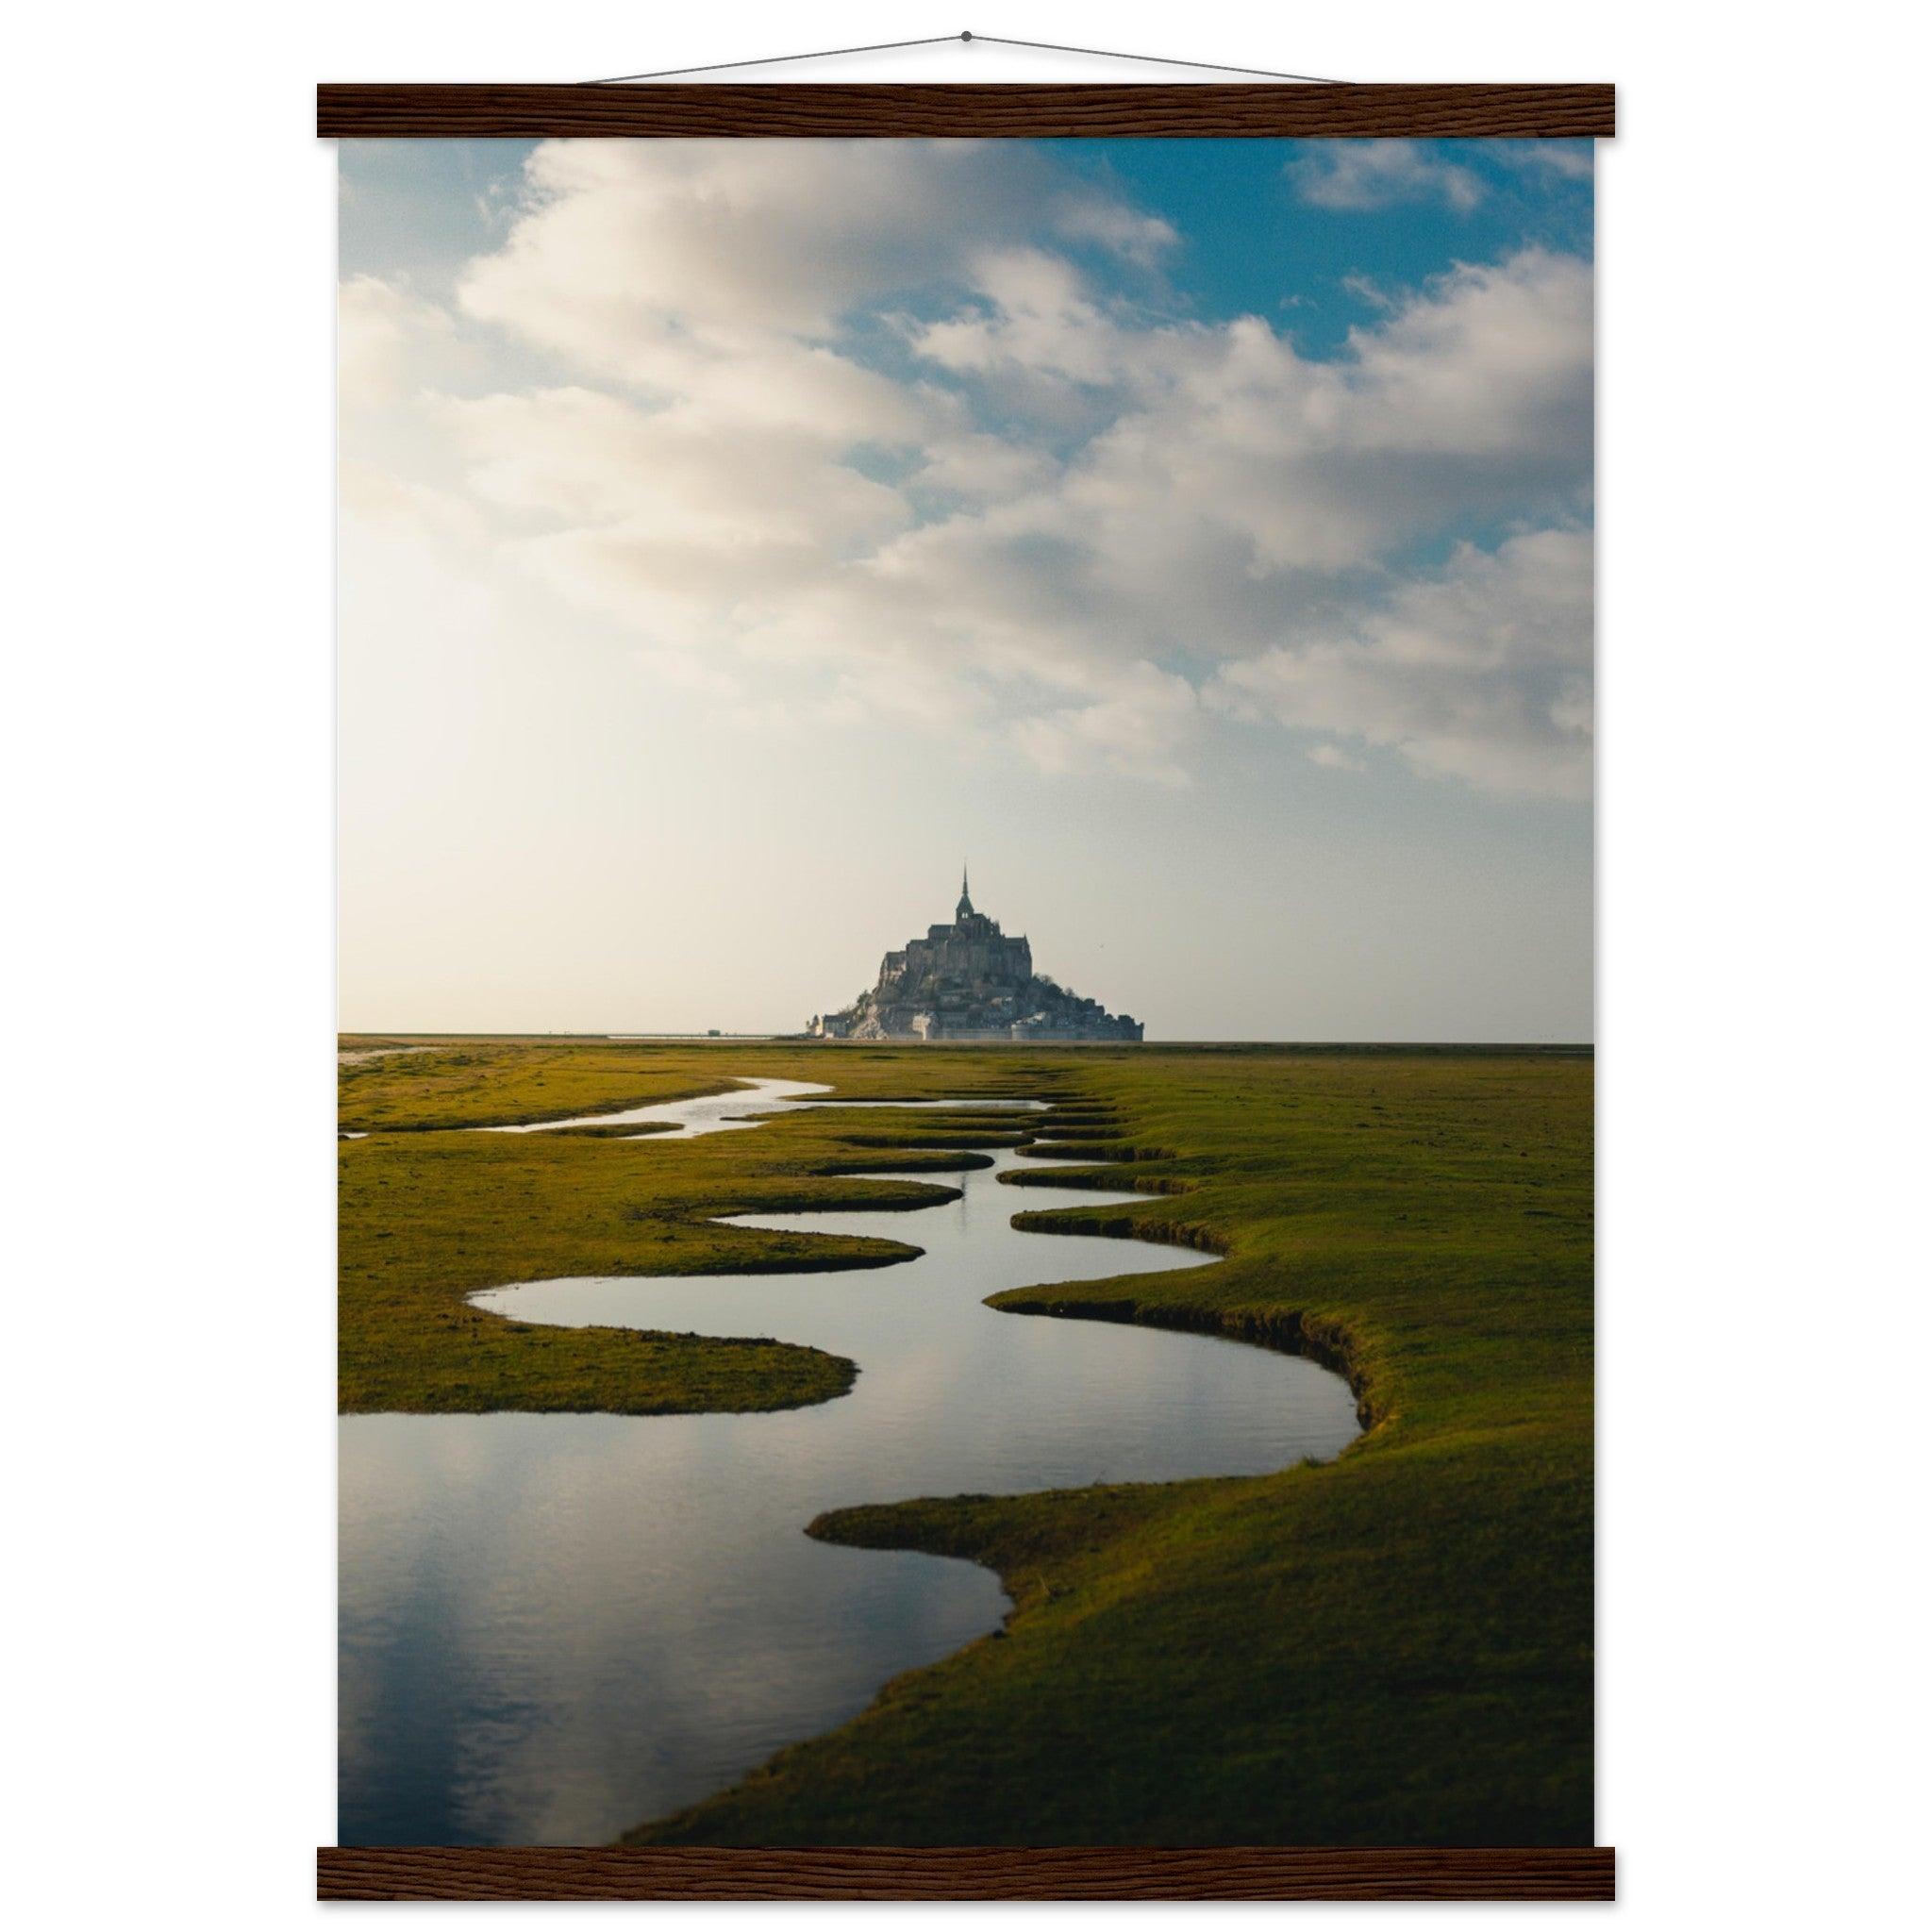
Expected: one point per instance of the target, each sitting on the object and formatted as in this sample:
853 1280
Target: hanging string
1153 60
772 60
961 40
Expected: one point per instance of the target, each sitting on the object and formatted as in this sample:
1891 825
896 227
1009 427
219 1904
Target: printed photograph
966 996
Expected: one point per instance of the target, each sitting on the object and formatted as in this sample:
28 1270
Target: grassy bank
428 1215
1391 1648
486 1084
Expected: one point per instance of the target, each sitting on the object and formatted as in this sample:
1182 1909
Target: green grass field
1392 1648
428 1215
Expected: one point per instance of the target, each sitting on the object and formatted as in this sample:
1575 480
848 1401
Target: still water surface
553 1627
713 1113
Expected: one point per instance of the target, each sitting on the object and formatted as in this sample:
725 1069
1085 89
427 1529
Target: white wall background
168 773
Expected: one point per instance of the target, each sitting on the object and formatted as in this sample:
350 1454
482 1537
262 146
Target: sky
1195 535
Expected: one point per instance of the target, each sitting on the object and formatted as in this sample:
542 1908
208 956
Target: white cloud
1481 671
973 464
1467 397
1143 728
1365 174
375 494
582 458
1334 758
390 343
1567 160
873 441
721 270
688 672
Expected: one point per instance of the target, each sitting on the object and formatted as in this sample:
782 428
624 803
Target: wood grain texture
1266 1872
1034 113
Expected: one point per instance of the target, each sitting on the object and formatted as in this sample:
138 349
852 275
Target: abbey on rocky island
969 981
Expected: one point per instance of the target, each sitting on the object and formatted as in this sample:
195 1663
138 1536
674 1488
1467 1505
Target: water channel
556 1626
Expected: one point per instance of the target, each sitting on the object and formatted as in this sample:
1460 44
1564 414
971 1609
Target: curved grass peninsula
1389 1648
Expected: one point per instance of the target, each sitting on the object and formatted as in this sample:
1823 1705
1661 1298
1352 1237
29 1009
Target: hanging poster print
966 970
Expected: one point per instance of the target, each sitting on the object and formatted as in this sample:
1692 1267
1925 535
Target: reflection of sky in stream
556 1626
713 1113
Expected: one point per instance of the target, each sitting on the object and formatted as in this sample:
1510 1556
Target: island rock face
969 981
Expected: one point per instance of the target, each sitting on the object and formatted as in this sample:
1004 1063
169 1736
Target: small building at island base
969 981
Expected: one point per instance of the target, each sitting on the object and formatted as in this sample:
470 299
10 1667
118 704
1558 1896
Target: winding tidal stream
556 1626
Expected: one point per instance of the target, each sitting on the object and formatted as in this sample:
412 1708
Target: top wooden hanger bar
1320 108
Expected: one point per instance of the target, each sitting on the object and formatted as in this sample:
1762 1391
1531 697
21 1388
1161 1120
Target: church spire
964 909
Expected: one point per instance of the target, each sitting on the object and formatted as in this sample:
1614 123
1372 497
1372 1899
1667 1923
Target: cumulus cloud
898 442
1480 671
1363 174
973 464
390 343
1566 160
724 270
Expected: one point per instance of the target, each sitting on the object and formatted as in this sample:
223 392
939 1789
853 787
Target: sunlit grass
1391 1648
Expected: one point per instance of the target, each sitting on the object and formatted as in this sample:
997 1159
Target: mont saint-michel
969 981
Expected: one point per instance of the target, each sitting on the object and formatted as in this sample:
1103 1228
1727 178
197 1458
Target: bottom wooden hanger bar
1258 1872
